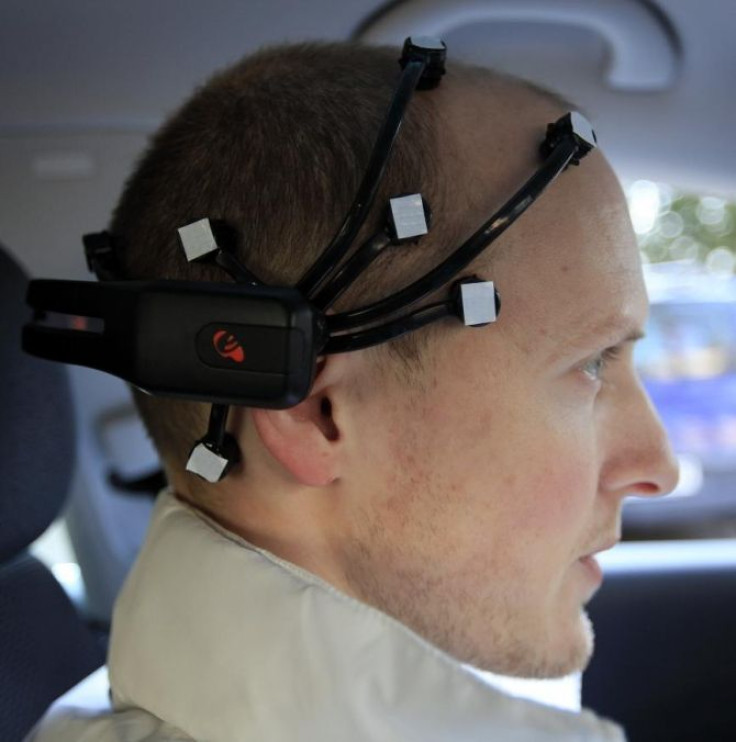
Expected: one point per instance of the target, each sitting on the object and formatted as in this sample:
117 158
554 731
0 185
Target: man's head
276 146
462 494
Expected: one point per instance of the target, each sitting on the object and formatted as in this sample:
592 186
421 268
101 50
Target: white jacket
215 640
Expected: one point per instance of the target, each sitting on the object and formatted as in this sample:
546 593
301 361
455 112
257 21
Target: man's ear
303 439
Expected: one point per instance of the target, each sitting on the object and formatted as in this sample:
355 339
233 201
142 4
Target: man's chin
572 656
554 659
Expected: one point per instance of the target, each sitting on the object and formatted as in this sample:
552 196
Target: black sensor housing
214 342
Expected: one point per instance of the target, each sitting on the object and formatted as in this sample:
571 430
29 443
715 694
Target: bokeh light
674 226
644 205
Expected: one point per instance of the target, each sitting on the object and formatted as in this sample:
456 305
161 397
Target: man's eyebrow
634 336
613 331
619 332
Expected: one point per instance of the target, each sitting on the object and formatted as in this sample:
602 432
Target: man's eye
595 367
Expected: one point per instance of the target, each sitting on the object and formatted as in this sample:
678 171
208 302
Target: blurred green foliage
678 226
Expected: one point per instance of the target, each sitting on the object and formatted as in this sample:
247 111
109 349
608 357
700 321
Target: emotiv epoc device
241 342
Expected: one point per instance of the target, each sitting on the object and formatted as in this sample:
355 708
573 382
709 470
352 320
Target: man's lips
602 546
590 563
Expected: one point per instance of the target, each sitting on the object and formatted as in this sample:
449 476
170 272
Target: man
434 501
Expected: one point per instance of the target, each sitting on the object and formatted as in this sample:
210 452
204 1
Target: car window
687 360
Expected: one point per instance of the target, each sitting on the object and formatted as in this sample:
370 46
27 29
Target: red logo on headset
227 346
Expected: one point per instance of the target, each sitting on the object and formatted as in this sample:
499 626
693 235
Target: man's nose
641 460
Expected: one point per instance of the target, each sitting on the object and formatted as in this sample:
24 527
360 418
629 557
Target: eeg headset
245 343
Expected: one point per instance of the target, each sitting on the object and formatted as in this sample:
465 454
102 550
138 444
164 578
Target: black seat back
45 648
665 658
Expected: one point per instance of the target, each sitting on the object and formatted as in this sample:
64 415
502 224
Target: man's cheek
552 491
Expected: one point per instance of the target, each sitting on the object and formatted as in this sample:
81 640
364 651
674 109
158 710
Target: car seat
45 647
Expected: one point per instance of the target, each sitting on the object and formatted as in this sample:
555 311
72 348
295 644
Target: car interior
84 85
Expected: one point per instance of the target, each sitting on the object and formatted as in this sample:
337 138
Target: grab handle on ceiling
643 48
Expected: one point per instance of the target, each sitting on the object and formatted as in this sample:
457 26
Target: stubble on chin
560 657
490 638
550 652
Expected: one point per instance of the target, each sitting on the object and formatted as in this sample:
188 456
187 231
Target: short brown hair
275 146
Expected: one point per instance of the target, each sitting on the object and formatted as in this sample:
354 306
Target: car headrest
37 443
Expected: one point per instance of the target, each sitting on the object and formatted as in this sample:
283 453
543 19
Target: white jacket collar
228 642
